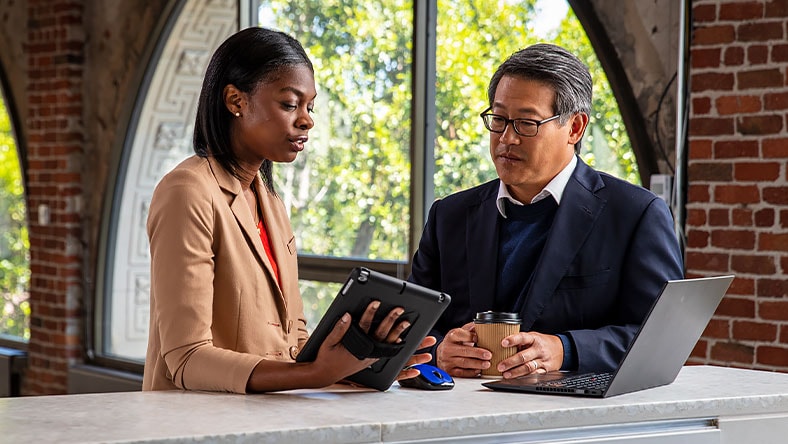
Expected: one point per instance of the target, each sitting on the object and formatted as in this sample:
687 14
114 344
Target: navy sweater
522 237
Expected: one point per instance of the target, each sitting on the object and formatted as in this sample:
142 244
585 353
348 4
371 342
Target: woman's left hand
420 358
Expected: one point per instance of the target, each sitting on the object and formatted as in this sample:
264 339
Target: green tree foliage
348 193
14 244
473 38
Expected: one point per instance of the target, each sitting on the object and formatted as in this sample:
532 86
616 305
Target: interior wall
646 38
76 77
737 201
121 38
638 44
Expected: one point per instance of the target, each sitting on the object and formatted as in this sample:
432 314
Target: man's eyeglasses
523 127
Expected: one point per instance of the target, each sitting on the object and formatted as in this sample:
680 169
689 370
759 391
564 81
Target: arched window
14 242
158 139
400 87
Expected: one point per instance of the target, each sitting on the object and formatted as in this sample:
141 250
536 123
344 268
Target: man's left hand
536 353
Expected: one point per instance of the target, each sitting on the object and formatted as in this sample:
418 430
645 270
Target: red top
267 246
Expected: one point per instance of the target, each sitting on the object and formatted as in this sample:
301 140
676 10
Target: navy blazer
609 252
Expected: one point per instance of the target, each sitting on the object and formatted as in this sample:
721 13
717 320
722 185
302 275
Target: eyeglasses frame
538 123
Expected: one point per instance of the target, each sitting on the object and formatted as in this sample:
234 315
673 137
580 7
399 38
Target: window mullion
423 117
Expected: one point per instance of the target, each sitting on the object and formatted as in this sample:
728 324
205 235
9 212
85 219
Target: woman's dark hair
564 72
246 59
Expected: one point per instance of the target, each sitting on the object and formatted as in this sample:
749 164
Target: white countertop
346 414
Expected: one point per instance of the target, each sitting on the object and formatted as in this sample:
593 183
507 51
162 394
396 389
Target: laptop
655 356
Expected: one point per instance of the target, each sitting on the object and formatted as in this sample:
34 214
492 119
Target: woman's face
275 118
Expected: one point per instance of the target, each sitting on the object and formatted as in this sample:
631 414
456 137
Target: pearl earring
237 114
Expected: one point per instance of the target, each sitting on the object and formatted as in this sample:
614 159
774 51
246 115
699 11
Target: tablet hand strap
362 346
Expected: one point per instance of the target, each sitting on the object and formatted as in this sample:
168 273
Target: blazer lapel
481 246
579 209
240 209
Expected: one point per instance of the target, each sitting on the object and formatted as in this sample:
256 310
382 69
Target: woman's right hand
334 362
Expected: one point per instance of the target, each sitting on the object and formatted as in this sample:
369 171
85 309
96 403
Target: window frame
6 340
422 168
423 121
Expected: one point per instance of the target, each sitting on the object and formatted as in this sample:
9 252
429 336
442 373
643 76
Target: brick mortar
751 279
55 123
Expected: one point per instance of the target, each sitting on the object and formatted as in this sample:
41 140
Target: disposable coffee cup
491 327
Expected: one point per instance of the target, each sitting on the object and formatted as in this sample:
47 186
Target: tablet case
422 306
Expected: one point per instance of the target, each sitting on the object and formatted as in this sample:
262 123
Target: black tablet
422 308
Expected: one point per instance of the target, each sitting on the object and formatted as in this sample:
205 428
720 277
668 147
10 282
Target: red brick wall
55 42
737 203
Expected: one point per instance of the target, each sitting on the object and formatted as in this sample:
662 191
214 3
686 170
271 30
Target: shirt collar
554 188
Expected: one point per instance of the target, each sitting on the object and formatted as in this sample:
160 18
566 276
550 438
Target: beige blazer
216 309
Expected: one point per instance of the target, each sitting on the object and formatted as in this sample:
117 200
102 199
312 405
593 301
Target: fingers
394 333
407 372
521 363
418 358
428 341
460 336
333 360
369 314
522 340
458 355
523 367
339 330
389 330
542 353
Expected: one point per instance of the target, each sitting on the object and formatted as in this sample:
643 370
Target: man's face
527 164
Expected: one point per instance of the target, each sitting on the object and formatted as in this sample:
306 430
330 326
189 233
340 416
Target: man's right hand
458 354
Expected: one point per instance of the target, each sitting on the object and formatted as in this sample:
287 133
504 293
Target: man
580 255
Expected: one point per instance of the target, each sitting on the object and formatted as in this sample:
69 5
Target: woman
226 312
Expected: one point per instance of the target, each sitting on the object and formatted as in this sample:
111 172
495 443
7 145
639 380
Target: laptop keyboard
594 381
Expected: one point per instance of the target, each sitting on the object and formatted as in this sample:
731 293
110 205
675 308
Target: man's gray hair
555 66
